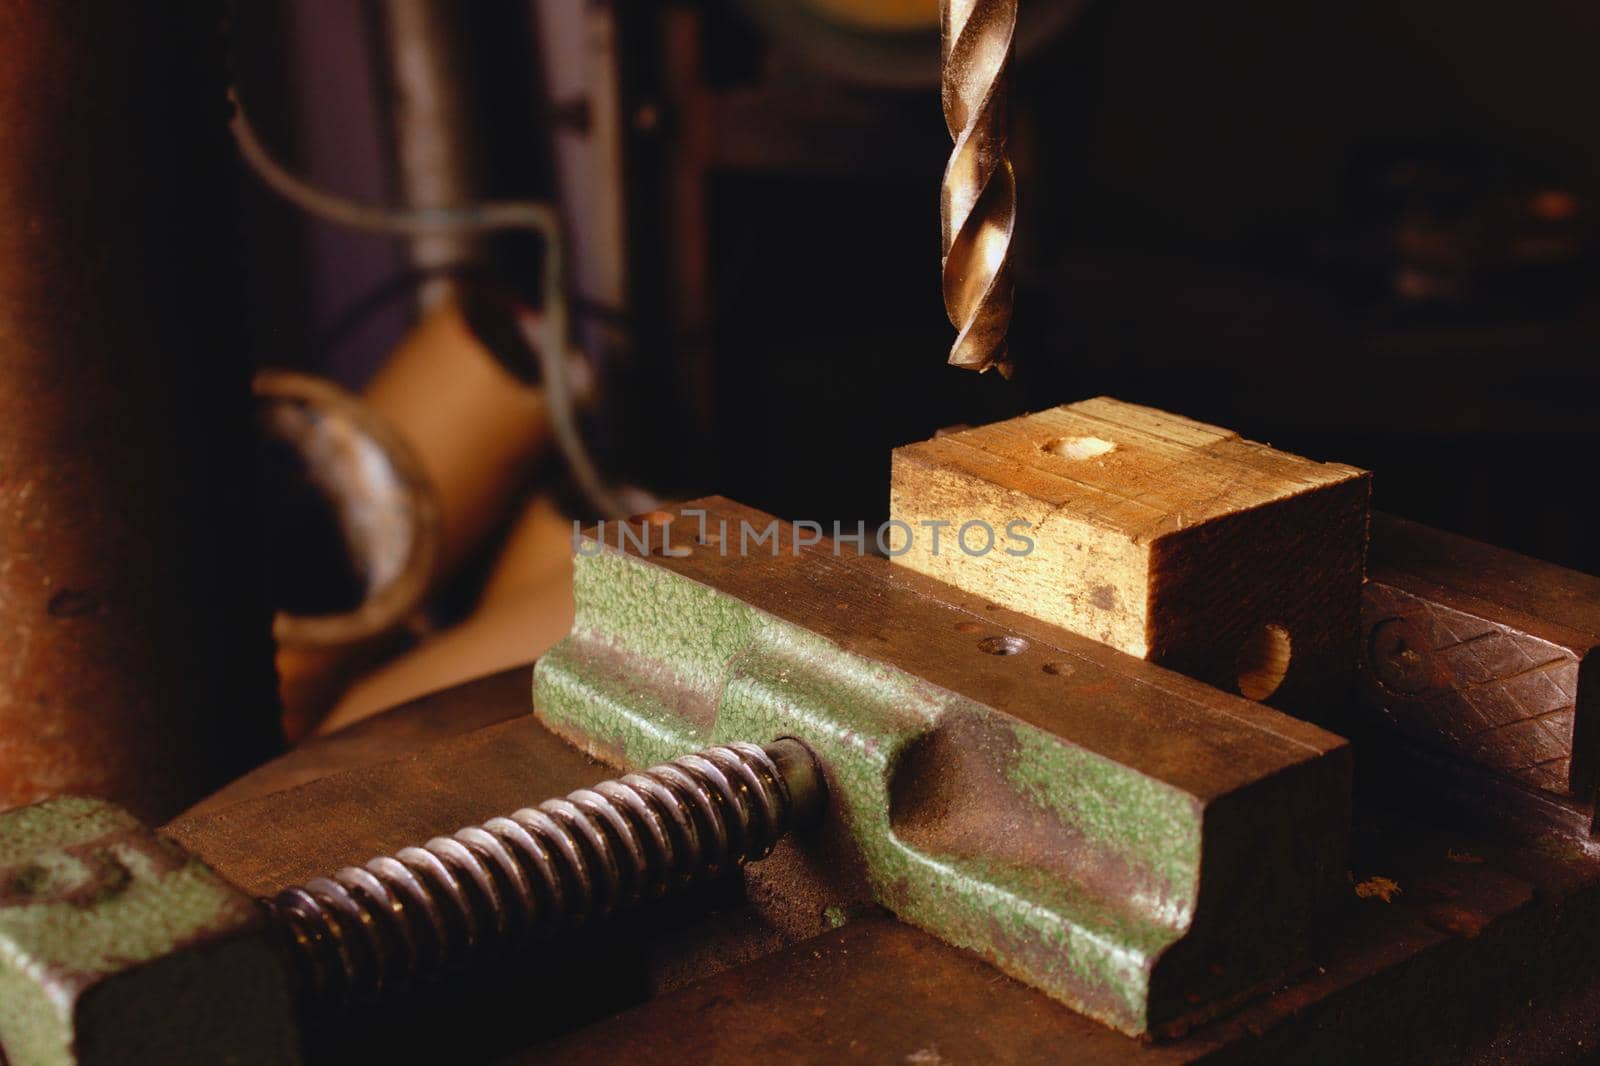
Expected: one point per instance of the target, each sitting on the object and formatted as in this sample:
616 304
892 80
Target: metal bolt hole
1003 645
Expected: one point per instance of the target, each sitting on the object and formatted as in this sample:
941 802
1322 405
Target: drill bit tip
978 197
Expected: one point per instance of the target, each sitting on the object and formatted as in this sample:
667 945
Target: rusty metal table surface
406 728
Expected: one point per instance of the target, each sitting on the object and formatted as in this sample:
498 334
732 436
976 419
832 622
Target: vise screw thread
368 929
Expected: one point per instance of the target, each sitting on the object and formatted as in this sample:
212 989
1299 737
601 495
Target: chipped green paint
687 628
1149 822
108 931
658 664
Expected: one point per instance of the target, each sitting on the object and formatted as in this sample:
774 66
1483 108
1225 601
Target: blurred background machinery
1369 228
1364 233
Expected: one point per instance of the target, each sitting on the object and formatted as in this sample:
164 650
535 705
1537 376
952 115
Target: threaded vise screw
369 929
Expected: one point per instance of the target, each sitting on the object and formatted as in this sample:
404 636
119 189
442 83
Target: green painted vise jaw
118 947
1138 845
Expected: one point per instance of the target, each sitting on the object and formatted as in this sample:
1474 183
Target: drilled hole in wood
1263 661
1078 448
1003 645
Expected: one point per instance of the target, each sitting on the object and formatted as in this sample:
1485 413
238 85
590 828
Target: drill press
1075 782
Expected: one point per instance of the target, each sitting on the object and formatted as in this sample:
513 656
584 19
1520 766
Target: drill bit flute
978 200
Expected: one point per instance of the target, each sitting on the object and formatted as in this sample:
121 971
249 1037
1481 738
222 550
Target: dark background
1363 232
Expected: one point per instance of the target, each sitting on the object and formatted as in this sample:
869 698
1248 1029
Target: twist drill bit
978 201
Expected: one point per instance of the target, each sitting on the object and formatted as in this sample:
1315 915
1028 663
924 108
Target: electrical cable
546 331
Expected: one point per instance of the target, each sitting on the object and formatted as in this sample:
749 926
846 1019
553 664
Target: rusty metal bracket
1486 656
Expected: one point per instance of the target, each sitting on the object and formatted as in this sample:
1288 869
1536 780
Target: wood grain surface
1163 537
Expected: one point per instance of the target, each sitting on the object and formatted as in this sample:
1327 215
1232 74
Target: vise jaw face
1139 845
117 947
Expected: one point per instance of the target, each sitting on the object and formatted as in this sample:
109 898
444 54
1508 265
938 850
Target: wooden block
1486 655
1165 538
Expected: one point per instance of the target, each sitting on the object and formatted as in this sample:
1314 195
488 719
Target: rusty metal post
134 637
437 146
